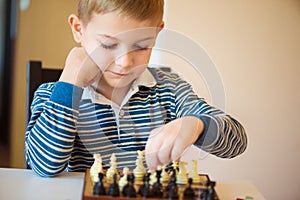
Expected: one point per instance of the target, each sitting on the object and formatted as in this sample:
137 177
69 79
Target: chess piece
175 168
140 170
157 188
205 192
112 169
123 179
128 189
114 190
182 175
165 177
96 168
211 191
189 192
145 190
172 188
99 186
194 172
152 178
172 181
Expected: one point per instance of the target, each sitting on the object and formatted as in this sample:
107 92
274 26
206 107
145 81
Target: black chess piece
189 192
99 188
170 168
204 194
145 190
172 188
114 190
129 190
211 191
157 188
172 181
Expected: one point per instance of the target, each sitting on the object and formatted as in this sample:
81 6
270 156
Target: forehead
113 25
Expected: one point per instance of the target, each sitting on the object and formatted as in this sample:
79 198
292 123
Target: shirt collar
145 79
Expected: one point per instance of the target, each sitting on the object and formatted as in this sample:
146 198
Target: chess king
109 100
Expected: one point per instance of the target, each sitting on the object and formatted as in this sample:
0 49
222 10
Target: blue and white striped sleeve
51 131
223 136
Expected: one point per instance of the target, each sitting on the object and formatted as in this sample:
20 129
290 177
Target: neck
116 95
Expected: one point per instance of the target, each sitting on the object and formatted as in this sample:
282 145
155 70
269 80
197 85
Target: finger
151 155
178 148
89 72
164 153
152 147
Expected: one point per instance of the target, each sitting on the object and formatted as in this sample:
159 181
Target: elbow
237 147
46 170
46 173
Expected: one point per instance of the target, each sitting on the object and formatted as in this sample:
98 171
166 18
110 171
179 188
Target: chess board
88 190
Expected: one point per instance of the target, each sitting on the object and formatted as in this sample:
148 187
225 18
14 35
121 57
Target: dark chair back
36 75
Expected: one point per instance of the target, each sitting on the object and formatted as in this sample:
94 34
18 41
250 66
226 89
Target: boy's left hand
167 143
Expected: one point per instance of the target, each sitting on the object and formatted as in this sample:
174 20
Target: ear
76 27
161 26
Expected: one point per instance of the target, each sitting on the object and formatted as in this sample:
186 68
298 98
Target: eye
109 46
140 48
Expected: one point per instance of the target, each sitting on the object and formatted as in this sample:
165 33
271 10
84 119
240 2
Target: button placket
121 113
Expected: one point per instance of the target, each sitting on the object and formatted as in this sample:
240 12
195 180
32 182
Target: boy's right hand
80 69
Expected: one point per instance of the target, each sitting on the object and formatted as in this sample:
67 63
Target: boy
108 101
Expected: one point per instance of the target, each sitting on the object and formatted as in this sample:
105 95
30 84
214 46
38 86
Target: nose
124 60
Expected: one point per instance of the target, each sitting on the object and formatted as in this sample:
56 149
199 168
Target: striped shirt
69 124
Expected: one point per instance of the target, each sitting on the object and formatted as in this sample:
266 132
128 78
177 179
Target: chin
120 84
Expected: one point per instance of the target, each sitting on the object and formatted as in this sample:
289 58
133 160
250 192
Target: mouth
119 74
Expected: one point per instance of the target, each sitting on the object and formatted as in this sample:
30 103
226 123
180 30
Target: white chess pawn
182 177
123 180
96 168
153 178
165 177
194 172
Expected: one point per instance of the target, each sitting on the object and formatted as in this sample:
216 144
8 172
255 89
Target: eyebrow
148 38
107 36
113 38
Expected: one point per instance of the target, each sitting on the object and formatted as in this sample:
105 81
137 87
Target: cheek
141 69
138 70
99 56
142 58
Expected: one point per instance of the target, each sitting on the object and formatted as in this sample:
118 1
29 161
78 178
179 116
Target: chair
36 75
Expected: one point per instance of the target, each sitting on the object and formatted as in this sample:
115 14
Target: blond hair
137 9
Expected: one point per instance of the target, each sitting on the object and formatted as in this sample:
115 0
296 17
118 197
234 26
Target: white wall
255 46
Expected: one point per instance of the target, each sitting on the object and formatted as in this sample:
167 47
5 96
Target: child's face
121 47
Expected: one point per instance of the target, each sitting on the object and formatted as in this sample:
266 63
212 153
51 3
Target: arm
222 136
197 123
52 127
51 131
